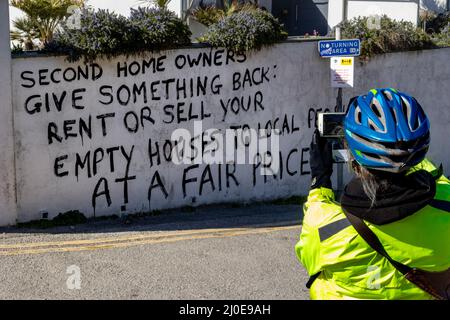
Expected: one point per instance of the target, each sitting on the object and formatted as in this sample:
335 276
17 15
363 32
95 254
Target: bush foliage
442 39
245 30
439 23
157 29
391 36
105 34
208 16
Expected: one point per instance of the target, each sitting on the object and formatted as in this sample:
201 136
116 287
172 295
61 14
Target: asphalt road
215 252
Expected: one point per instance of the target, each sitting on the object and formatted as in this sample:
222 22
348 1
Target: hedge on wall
157 28
385 35
245 30
105 34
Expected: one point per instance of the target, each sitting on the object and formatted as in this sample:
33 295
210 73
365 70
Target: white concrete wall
398 10
296 84
7 175
284 94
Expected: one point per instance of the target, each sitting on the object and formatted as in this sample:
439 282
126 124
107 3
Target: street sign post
339 48
341 53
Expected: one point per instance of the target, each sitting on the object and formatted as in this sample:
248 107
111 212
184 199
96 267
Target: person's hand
321 161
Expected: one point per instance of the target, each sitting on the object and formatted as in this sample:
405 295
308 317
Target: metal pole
339 105
339 108
418 14
344 8
338 33
340 167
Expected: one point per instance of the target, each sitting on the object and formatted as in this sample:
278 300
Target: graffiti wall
98 137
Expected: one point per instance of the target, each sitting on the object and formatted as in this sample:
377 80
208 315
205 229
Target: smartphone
331 124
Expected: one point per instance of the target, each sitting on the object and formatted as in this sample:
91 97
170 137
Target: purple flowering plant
245 30
106 34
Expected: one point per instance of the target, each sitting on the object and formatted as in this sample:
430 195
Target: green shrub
392 36
439 23
159 3
157 29
245 30
16 49
105 34
101 33
442 39
208 16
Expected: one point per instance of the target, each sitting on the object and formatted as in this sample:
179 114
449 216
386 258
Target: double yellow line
134 240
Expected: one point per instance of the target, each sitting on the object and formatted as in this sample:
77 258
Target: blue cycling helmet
387 130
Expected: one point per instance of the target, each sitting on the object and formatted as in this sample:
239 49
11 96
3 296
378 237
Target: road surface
217 252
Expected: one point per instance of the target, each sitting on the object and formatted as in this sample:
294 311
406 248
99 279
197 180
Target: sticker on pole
339 48
342 72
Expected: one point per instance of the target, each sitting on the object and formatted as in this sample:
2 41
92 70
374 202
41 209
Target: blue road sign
337 48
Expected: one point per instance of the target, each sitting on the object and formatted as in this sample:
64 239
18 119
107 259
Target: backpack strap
437 173
440 204
312 279
373 241
435 203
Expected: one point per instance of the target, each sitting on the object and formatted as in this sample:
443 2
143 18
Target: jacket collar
402 197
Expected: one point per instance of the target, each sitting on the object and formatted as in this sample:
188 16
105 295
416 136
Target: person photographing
389 237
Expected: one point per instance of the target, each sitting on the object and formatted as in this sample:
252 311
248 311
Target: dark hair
373 182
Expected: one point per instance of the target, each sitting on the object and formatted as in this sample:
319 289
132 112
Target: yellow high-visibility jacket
349 268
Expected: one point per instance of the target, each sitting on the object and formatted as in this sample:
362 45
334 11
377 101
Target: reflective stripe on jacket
350 269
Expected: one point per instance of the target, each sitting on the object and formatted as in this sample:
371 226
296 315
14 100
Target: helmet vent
394 116
375 110
417 120
415 124
358 116
372 155
404 108
387 94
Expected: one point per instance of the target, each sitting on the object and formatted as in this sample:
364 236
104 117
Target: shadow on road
204 217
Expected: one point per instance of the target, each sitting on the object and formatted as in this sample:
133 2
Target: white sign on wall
342 72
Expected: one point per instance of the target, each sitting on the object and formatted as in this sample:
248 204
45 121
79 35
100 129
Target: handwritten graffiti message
96 137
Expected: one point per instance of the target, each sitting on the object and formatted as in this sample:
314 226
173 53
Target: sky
119 6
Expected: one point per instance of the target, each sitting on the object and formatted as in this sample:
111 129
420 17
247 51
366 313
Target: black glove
321 161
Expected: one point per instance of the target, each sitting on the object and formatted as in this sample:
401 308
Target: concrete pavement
218 252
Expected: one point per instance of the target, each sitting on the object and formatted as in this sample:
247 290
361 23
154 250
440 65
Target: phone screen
331 125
